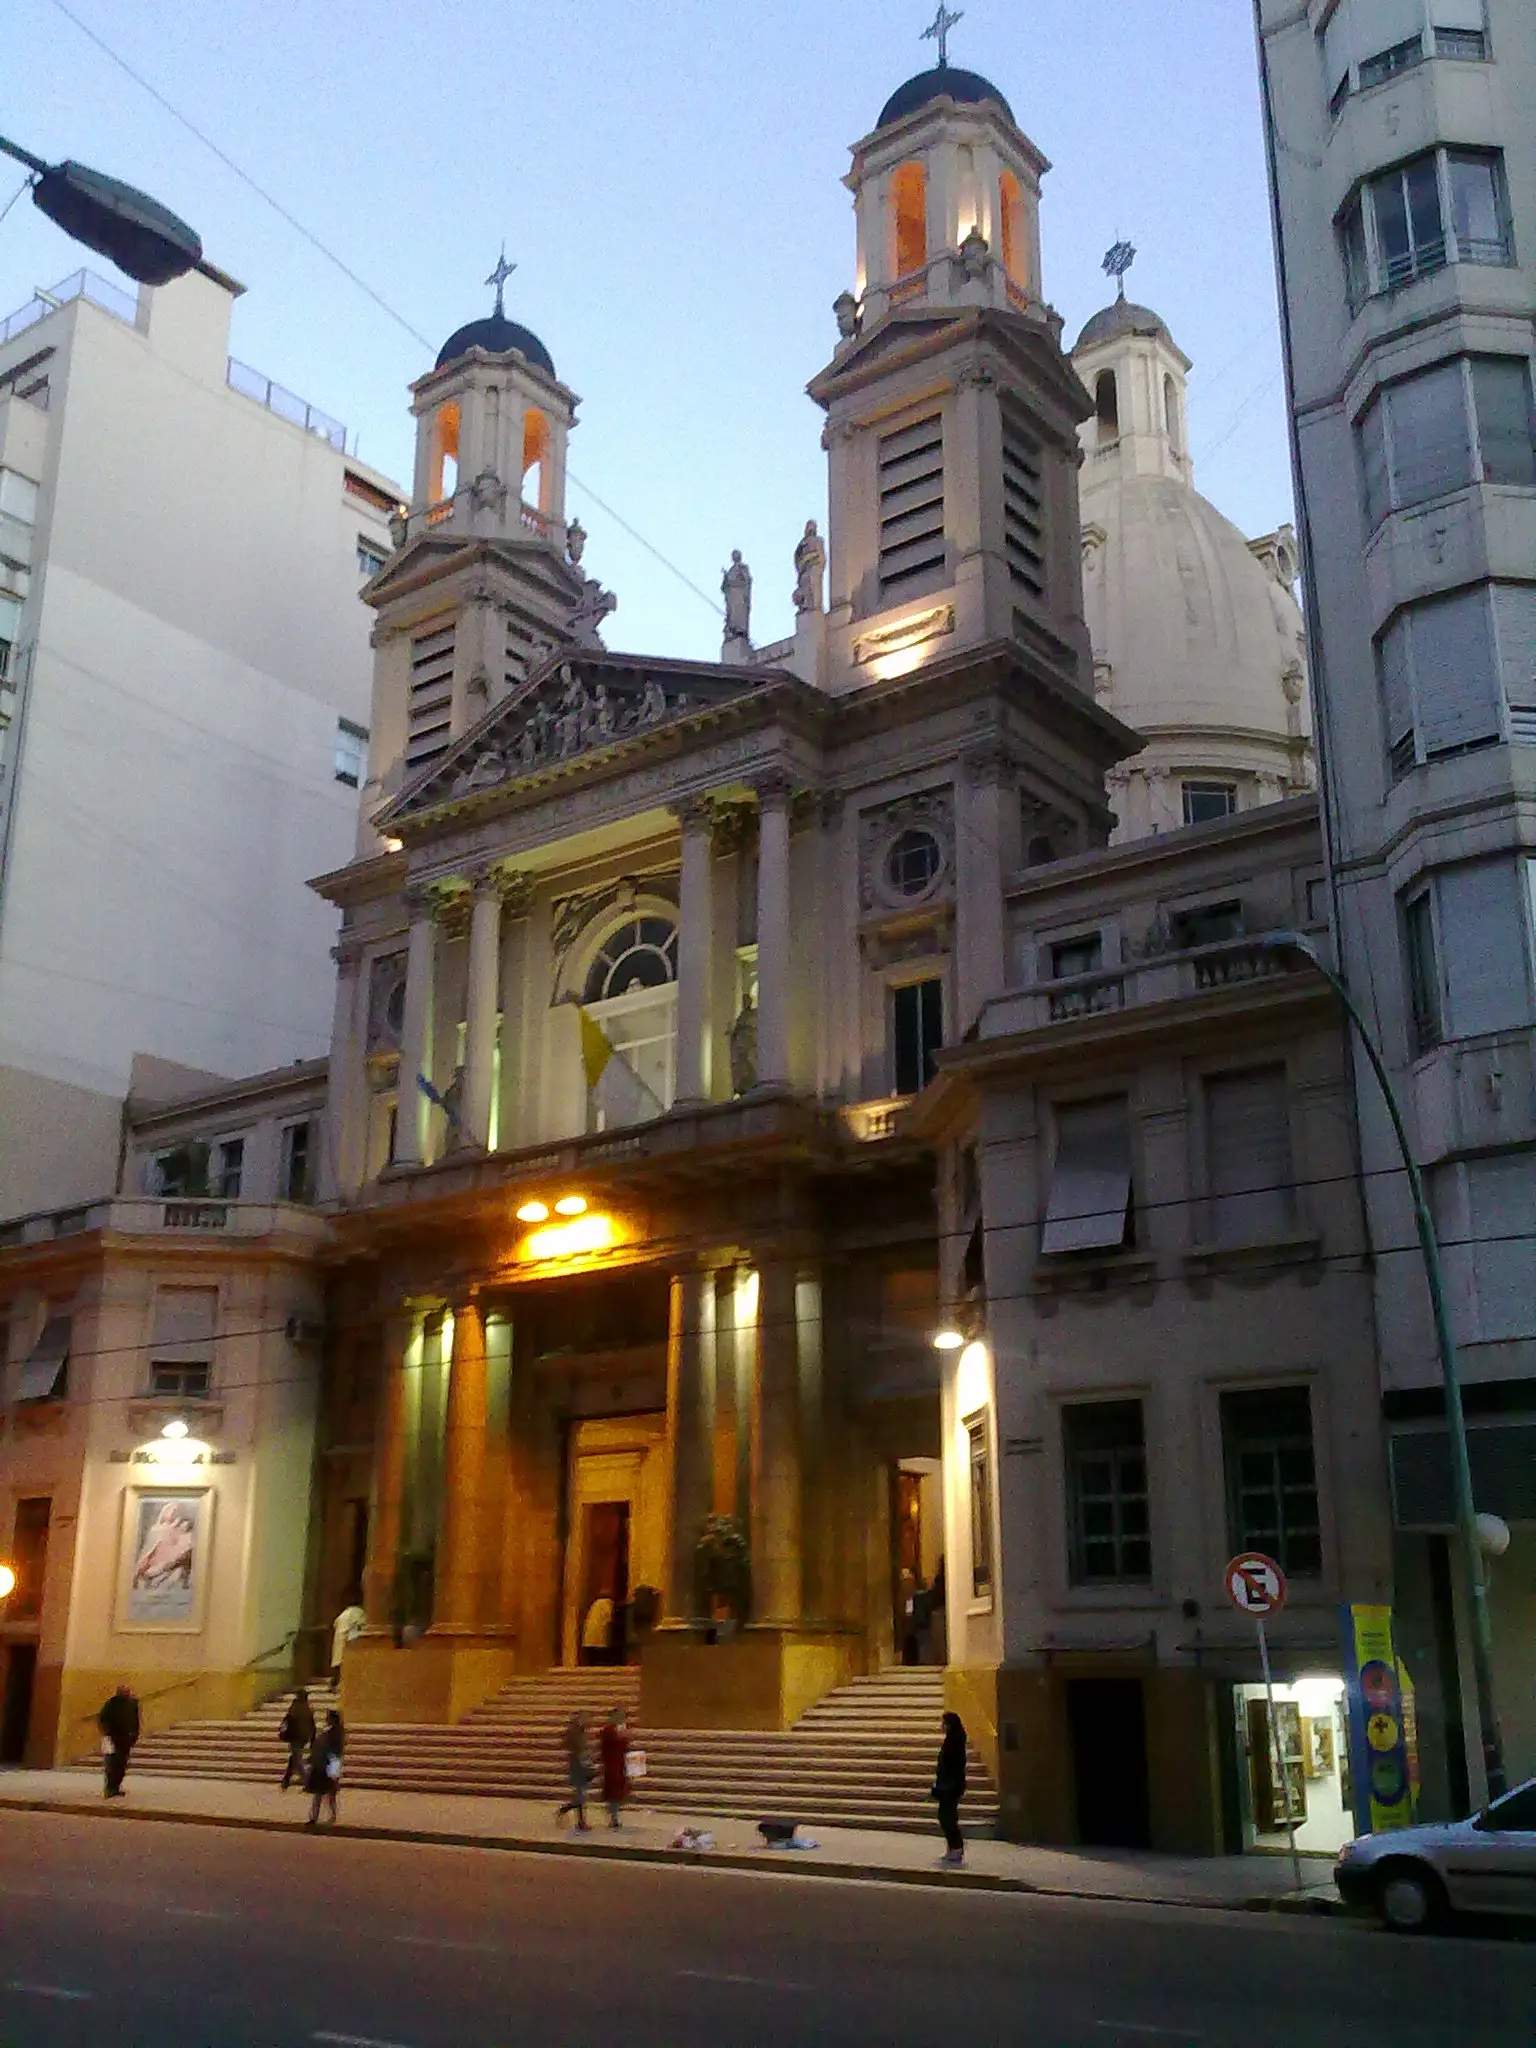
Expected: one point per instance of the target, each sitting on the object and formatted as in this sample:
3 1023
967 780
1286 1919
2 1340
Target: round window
913 861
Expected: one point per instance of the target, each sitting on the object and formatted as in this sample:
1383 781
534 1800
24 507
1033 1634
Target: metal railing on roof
80 284
286 404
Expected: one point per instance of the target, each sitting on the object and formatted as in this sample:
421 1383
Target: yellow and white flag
612 1083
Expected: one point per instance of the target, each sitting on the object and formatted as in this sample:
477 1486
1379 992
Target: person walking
324 1777
613 1751
577 1742
949 1789
298 1731
348 1623
119 1725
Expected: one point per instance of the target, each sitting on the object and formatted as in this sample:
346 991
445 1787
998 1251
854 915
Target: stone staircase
861 1757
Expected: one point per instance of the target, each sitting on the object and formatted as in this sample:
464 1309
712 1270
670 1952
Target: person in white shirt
347 1624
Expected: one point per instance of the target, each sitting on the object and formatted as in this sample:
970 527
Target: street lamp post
1461 1468
142 237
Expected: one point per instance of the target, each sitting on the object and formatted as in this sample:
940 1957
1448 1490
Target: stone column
776 1480
690 1429
343 1164
461 1569
482 1002
695 952
388 1475
411 1128
773 932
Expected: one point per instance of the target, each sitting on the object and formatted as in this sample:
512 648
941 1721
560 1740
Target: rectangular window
1391 63
1110 1539
1468 45
1077 956
1426 1008
18 497
44 1375
29 1558
1477 206
980 1461
1357 259
1023 508
1089 1208
1480 918
181 1342
183 1382
1248 1148
1205 802
429 720
1410 226
917 1032
1208 924
1272 1478
370 556
229 1164
1375 475
912 504
297 1179
1447 206
1506 420
351 752
1440 680
1514 622
1429 435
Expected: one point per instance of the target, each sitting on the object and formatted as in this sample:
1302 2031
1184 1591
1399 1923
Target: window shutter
912 502
1396 686
1338 45
42 1376
1465 14
184 1324
1480 917
1373 464
1503 1198
1090 1195
1248 1135
1431 440
1388 23
1506 426
1514 621
1455 688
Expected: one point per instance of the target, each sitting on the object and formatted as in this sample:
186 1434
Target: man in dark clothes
298 1731
119 1724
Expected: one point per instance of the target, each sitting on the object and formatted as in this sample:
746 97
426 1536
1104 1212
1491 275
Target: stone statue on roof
736 589
810 563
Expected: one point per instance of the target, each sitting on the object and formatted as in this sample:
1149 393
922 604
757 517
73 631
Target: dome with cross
496 334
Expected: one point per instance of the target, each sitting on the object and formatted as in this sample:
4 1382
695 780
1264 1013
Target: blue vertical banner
1382 1723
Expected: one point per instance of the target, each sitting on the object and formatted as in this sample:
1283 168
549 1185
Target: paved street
140 1933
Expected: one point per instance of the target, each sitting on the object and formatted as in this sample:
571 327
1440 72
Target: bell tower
952 414
484 578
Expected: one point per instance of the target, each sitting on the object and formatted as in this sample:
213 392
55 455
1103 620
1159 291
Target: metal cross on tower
938 31
1117 262
499 276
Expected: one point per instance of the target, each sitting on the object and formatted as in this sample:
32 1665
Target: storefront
1312 1723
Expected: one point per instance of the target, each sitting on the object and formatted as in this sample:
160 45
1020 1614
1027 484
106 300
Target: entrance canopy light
533 1212
571 1205
949 1339
7 1581
176 1429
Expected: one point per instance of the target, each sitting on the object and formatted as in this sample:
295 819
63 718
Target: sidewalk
1231 1882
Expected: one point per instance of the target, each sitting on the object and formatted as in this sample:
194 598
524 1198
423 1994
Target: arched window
909 202
535 484
630 997
1171 415
1010 211
1106 404
444 480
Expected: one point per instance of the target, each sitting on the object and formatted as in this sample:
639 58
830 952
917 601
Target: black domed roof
944 81
498 336
1124 316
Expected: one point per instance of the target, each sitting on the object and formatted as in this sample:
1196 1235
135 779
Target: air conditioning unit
300 1330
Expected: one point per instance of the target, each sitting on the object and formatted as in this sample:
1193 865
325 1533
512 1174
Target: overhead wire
323 249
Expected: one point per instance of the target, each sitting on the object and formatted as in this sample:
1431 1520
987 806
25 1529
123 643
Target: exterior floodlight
7 1581
571 1205
949 1340
175 1428
1492 1535
533 1212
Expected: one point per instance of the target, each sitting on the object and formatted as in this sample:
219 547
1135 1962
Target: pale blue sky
667 178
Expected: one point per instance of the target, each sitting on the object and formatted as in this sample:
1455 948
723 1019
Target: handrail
195 1677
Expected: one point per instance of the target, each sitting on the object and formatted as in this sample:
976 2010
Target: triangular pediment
576 703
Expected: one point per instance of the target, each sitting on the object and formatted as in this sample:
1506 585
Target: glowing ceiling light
949 1340
533 1212
570 1240
7 1582
175 1428
571 1205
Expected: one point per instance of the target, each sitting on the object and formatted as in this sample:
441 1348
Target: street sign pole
1279 1754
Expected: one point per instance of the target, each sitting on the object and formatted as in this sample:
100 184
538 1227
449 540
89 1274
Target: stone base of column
756 1677
438 1679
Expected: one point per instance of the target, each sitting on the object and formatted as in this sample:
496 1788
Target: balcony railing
286 404
146 1215
80 284
1166 977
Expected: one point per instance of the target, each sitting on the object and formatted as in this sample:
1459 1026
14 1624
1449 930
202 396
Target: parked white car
1415 1877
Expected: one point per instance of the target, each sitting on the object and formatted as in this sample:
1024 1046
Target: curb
757 1862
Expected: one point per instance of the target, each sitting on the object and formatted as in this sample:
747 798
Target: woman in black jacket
949 1788
324 1779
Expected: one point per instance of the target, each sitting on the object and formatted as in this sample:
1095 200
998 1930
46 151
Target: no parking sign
1255 1585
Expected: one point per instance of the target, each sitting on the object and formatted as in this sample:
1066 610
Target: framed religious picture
163 1574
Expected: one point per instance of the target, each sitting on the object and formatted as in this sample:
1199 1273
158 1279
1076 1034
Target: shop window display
1312 1721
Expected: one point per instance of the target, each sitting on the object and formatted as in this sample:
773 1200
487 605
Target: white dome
1197 637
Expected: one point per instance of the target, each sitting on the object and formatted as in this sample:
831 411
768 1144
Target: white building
1404 163
184 688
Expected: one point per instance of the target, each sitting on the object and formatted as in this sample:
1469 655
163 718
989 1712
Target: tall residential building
184 690
1404 168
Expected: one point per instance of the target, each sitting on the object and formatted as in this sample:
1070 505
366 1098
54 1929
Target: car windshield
1515 1812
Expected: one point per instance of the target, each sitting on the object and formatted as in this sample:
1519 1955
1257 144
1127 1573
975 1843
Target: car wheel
1410 1898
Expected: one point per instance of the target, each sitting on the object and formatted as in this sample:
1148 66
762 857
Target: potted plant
723 1573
